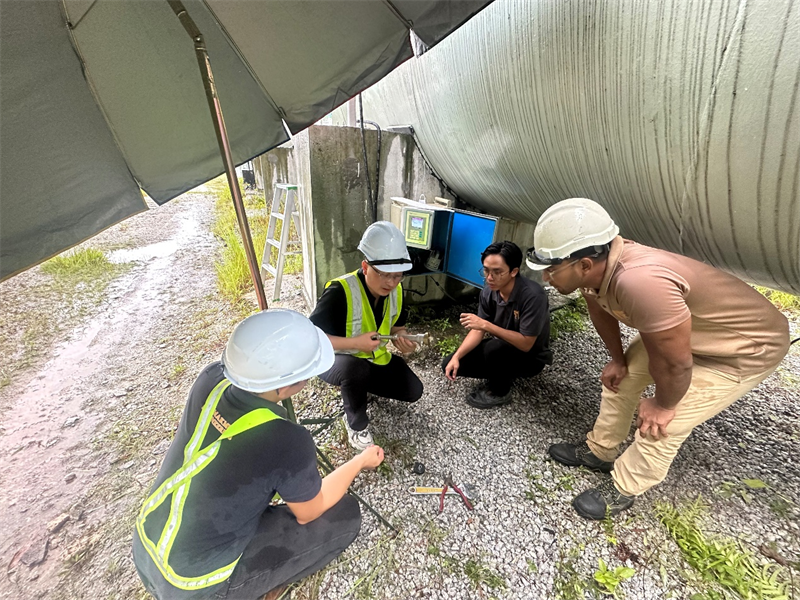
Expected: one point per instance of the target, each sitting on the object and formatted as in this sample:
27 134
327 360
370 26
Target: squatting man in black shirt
209 528
513 312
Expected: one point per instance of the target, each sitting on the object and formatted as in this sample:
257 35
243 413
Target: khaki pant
646 462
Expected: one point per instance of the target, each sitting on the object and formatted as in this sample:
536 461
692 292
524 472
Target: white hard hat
384 246
273 349
567 227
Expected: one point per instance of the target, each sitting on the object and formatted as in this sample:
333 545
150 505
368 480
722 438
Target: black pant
500 363
281 552
359 377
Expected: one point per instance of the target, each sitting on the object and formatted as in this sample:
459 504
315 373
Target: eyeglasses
495 273
393 277
560 267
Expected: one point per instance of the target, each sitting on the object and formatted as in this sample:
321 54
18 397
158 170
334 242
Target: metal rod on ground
327 466
224 145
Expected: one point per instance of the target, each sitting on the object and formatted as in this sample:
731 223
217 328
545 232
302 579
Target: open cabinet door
470 233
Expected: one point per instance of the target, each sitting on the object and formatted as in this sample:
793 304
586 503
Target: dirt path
74 435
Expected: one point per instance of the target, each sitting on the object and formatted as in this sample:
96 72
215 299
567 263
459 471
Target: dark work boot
578 455
486 399
602 501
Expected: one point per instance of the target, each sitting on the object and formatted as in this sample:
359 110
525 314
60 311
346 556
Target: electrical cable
443 290
794 341
374 206
377 167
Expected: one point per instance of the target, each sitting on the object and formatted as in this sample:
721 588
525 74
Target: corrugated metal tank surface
682 118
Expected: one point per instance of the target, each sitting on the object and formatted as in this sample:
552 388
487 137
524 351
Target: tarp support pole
224 145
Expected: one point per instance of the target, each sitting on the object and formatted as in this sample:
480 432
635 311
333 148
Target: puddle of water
158 250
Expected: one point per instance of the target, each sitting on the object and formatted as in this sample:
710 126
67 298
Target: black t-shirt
330 314
526 311
227 498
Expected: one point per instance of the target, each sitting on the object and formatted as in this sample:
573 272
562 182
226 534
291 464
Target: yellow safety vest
360 318
178 485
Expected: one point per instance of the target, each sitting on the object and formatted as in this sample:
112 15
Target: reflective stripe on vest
361 319
178 485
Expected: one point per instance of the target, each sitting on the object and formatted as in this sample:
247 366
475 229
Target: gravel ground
123 367
524 528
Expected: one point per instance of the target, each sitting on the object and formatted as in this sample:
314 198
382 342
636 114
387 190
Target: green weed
781 300
721 560
569 584
177 370
608 581
448 344
568 319
479 573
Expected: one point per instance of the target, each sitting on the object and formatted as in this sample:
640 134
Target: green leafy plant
721 560
479 573
608 581
448 344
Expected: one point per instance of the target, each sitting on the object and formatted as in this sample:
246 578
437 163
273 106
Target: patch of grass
781 300
177 370
479 574
721 560
572 317
436 536
79 264
76 283
233 273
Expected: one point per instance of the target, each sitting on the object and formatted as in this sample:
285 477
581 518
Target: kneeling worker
208 529
354 310
705 339
514 311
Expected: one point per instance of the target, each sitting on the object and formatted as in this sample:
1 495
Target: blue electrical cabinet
445 240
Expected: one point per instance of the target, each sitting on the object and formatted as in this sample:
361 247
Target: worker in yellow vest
354 310
210 527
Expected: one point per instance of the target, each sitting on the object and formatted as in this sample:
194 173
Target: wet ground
106 391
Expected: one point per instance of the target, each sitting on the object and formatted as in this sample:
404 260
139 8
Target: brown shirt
734 328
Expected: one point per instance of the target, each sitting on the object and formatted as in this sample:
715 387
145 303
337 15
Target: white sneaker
360 440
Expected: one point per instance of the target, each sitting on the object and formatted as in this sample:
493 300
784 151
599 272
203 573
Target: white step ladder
285 194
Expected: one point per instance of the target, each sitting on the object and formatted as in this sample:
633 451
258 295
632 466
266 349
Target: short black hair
508 250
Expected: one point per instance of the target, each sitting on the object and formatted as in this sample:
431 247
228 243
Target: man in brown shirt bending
705 339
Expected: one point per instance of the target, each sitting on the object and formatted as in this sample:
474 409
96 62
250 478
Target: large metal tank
681 117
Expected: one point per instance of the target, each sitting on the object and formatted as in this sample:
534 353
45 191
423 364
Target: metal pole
224 145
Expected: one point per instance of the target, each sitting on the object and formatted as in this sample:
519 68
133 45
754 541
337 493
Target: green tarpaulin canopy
100 97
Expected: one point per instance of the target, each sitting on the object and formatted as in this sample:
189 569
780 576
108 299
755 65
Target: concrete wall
327 164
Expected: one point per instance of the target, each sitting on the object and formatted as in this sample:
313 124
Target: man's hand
451 370
403 345
653 419
365 343
371 457
473 322
613 373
